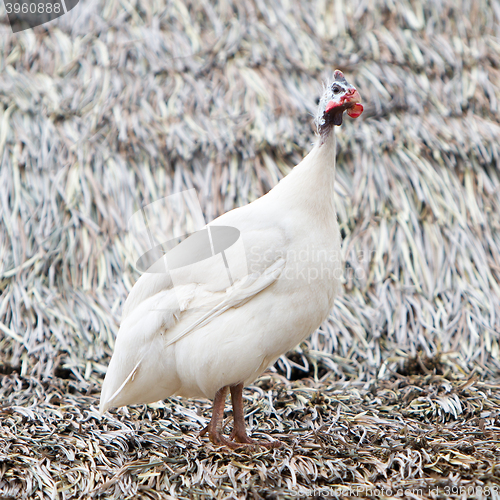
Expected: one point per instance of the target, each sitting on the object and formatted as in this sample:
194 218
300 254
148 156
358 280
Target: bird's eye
336 89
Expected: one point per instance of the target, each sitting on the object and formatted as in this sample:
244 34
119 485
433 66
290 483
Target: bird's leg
239 430
214 428
239 433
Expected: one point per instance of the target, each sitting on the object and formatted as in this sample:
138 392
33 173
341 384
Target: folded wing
142 368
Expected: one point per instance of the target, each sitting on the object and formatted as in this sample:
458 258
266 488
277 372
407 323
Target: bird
207 336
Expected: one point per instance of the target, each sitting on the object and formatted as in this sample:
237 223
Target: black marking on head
337 117
334 117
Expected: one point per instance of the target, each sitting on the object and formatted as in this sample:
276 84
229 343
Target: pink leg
214 428
239 433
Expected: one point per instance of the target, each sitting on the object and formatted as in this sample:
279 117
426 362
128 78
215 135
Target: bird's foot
218 439
243 439
236 440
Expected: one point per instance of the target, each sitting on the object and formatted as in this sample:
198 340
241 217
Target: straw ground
119 103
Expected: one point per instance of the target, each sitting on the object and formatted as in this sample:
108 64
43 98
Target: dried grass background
121 102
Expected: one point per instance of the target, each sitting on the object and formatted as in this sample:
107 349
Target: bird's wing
237 295
139 369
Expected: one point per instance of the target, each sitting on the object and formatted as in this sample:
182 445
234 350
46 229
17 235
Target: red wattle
355 111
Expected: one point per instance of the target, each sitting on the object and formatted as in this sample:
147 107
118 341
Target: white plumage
201 336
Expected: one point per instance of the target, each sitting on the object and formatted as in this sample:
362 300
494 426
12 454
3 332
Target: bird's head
339 96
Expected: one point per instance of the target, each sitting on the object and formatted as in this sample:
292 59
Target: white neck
310 185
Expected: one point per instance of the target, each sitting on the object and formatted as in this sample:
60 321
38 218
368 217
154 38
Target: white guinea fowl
202 337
